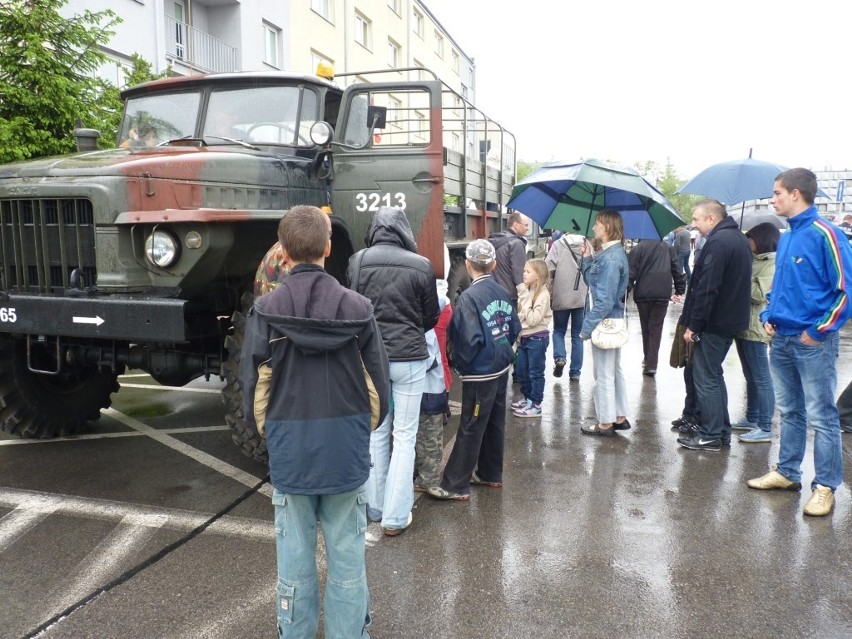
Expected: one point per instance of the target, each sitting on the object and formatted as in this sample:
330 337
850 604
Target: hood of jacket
390 226
503 237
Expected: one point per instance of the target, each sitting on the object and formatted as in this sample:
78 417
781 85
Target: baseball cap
480 252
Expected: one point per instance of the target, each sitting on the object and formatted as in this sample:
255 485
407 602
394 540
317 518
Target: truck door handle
433 180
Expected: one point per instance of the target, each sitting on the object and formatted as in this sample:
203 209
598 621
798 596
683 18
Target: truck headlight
162 249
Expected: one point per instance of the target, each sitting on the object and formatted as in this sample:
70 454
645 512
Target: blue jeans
560 327
390 490
343 519
760 394
711 394
529 367
610 391
805 381
683 260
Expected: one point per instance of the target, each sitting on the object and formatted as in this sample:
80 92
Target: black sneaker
697 442
680 421
689 429
557 369
845 428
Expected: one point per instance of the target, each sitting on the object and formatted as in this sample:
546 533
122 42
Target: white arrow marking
97 320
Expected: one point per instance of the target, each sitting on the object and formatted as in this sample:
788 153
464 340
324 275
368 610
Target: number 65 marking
372 201
8 315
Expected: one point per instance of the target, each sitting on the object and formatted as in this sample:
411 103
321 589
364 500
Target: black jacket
719 297
511 250
315 379
482 330
399 283
654 269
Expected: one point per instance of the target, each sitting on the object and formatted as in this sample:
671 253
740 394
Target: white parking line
201 457
27 514
139 515
179 389
77 438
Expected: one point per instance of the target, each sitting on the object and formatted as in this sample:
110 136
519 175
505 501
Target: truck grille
43 241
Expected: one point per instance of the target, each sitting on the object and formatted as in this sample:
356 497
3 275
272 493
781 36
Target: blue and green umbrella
569 196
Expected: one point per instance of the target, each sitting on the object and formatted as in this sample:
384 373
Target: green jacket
762 272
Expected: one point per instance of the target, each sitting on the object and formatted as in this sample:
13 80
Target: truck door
400 165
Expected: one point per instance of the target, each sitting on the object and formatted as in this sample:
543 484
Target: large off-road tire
38 406
245 437
458 279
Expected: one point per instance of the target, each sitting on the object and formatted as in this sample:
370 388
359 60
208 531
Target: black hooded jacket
400 284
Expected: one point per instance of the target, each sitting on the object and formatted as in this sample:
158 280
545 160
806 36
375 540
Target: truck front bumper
132 319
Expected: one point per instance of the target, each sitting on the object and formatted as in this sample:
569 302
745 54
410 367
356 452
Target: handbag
611 332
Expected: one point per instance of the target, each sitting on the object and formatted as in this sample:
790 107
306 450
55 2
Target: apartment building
213 36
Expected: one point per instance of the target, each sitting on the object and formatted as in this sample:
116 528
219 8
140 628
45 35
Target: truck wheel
37 406
458 279
246 438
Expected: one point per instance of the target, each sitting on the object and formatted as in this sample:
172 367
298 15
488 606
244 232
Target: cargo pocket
279 500
361 512
286 594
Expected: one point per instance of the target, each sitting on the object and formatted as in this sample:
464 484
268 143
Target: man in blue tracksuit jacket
808 303
482 331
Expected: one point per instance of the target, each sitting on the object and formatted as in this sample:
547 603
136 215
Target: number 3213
372 201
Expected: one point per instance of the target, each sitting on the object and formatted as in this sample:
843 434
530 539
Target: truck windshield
153 119
262 115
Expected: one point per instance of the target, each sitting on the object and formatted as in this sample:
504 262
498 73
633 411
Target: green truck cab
144 256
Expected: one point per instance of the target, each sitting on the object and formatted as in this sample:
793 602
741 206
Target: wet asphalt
630 536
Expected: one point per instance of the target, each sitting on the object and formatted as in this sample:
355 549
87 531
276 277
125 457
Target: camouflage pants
429 449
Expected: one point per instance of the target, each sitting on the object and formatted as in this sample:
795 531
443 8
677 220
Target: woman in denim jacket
606 274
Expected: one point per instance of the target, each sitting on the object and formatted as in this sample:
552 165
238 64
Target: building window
394 4
421 127
420 73
323 7
455 58
439 45
394 112
270 50
393 54
362 31
417 23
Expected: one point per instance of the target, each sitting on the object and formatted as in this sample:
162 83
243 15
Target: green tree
47 76
668 182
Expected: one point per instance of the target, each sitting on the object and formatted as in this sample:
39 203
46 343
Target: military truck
144 256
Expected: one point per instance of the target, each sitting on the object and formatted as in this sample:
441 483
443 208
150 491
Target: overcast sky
693 82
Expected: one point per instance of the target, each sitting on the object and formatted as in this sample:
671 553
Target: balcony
198 50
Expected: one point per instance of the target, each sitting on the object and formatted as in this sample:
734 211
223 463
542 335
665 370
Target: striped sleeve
839 266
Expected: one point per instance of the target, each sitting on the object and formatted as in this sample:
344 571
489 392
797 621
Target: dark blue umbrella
568 196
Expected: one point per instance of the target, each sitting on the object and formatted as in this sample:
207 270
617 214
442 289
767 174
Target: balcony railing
197 49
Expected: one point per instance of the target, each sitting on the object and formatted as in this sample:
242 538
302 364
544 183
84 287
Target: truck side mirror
377 117
87 139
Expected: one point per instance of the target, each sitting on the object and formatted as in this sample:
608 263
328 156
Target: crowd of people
375 360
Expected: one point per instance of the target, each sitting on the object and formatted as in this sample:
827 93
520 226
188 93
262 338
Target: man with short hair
511 248
716 309
808 303
314 374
